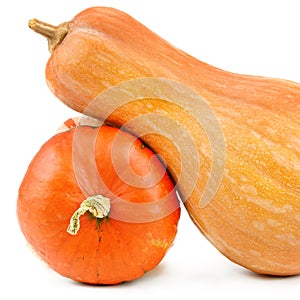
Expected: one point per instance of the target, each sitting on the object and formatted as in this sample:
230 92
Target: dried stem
98 206
54 34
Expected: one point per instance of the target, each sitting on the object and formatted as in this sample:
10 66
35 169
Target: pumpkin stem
54 34
98 206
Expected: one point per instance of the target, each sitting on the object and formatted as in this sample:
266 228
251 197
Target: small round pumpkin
98 206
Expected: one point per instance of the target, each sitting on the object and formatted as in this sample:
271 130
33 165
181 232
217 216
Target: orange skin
110 250
254 218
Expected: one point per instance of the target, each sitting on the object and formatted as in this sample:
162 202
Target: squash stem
98 206
54 34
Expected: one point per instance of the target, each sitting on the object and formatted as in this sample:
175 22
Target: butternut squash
230 141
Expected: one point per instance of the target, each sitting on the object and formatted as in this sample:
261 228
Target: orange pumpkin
230 141
97 206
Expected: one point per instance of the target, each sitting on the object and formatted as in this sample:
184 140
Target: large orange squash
231 141
97 206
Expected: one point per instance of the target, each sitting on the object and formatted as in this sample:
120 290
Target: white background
257 37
